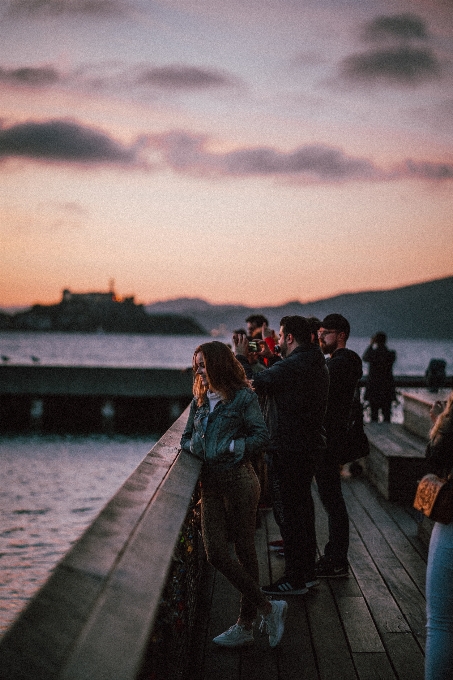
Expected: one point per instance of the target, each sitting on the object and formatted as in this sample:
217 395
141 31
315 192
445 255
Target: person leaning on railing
225 428
439 575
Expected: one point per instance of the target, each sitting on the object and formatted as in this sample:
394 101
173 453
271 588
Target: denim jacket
239 419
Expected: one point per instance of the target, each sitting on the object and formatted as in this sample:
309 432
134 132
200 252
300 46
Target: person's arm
257 437
186 436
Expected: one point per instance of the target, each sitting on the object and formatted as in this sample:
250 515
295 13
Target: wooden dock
121 605
368 626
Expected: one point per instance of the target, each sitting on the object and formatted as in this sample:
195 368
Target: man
296 389
380 384
255 324
345 370
258 329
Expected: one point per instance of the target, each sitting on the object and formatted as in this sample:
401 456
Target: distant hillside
424 310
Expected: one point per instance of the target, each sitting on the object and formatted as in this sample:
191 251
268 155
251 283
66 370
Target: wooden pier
117 606
368 626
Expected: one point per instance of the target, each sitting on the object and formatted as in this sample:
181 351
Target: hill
423 310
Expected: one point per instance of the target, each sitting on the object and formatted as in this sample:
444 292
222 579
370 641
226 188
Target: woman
439 576
225 428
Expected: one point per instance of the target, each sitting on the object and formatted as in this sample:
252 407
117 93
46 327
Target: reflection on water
52 488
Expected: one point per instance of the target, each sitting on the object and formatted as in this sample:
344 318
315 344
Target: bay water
52 487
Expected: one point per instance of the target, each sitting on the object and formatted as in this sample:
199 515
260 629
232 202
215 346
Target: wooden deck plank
360 629
373 667
406 594
406 655
409 557
365 627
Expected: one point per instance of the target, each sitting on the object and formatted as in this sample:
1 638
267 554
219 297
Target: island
98 313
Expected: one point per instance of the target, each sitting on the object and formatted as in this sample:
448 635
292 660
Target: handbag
434 498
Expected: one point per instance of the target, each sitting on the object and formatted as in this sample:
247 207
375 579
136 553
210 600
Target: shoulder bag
434 498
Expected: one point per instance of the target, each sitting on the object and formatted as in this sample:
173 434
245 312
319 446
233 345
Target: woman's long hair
225 374
441 418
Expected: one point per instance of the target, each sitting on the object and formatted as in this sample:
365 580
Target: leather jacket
239 419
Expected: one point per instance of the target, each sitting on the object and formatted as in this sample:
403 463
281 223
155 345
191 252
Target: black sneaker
284 587
325 568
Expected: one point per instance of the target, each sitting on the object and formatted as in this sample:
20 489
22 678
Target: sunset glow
238 152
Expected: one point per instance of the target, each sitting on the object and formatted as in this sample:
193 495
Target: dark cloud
97 8
399 26
188 153
427 170
403 65
66 141
30 76
179 77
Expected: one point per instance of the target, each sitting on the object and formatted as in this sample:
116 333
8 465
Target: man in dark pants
297 389
345 370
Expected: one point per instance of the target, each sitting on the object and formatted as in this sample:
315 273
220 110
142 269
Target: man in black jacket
345 370
296 391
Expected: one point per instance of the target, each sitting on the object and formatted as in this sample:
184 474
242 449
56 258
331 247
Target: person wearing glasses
345 370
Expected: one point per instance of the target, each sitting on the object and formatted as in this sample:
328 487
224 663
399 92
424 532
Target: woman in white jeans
439 576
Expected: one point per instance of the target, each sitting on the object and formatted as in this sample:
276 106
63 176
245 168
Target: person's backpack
357 444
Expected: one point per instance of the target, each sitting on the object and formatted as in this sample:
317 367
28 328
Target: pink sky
239 152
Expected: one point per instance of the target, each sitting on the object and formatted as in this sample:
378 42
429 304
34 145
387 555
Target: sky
248 151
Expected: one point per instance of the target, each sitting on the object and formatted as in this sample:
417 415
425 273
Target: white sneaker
275 621
236 636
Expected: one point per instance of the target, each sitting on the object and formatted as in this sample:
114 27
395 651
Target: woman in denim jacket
439 576
225 428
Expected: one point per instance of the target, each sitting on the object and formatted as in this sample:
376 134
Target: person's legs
439 604
298 528
328 479
374 408
386 411
228 509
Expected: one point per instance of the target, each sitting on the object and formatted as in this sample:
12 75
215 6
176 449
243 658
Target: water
52 487
163 351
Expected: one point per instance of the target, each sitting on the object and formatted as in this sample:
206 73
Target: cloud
402 65
180 77
65 141
30 76
398 60
427 170
188 153
399 26
43 8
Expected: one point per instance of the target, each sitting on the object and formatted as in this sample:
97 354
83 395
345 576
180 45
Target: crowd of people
270 415
284 399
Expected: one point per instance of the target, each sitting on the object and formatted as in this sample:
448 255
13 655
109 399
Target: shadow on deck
370 625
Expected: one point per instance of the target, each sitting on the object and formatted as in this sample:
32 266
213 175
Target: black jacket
296 389
345 370
380 384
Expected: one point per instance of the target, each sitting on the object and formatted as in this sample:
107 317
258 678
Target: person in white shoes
225 428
